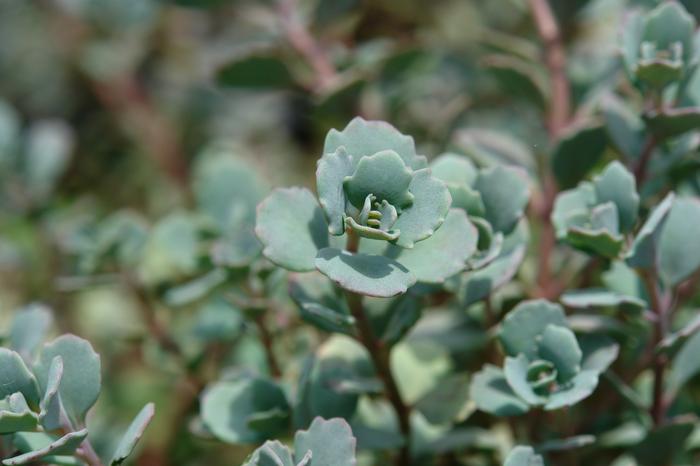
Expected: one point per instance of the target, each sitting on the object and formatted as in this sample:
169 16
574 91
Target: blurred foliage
124 123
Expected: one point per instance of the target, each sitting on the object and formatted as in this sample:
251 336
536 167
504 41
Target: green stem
380 355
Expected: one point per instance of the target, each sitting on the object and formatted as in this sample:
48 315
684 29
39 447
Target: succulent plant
596 215
373 189
43 405
544 364
658 47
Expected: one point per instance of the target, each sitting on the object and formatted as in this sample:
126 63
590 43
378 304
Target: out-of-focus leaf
518 78
29 328
329 442
82 378
39 445
229 408
673 122
576 153
292 228
133 434
256 72
677 260
491 147
602 298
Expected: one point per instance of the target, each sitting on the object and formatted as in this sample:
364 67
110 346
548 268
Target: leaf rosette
372 188
657 47
544 365
595 216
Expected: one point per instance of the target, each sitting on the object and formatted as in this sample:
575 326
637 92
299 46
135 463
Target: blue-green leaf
377 276
292 228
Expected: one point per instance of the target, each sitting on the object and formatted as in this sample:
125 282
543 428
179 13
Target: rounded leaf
377 276
580 387
491 393
16 377
362 138
559 346
383 175
679 257
330 443
617 185
505 193
292 228
431 201
82 379
442 255
331 170
230 408
526 322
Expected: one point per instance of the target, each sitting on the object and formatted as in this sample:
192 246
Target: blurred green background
105 105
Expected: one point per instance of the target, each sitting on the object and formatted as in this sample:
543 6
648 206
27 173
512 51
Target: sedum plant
495 264
46 394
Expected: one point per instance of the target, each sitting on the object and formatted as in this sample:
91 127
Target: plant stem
301 39
640 170
558 115
380 355
659 405
266 340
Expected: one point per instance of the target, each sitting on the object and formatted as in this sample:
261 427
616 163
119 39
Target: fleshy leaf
491 393
516 372
559 346
418 367
662 444
338 360
686 364
82 379
16 416
527 321
16 377
330 443
362 138
50 405
480 283
577 153
29 327
674 122
442 255
292 228
384 175
571 205
581 386
227 407
377 276
617 185
271 453
505 193
678 259
624 127
133 434
319 305
331 170
430 205
643 252
602 298
65 445
599 352
523 456
454 170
